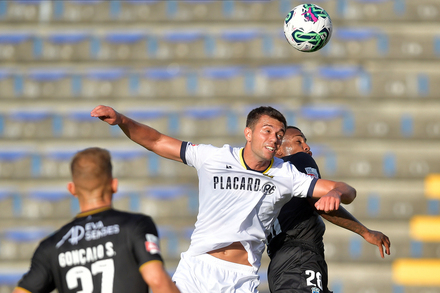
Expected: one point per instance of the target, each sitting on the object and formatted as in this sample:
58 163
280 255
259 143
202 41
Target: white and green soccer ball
308 27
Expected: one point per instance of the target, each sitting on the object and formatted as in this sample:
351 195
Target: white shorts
205 274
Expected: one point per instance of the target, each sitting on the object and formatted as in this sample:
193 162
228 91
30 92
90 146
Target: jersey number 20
106 267
312 275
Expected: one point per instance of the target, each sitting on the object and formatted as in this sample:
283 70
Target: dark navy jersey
99 251
298 218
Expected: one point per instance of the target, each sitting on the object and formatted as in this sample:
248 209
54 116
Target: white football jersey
237 204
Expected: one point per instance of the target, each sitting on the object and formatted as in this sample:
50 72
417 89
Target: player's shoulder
300 157
304 163
130 216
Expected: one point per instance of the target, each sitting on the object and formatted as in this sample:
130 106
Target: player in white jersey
241 191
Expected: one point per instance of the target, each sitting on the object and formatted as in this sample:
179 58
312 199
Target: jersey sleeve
39 278
145 241
194 155
303 184
304 163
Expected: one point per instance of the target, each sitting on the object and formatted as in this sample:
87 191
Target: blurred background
368 102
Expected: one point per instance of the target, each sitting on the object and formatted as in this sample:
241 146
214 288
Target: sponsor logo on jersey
152 244
228 167
85 255
243 183
316 290
312 172
268 188
90 231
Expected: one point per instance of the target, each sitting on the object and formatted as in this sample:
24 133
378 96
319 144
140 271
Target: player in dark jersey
102 249
296 245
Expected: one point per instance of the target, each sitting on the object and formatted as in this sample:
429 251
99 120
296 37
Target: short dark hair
91 163
256 113
293 127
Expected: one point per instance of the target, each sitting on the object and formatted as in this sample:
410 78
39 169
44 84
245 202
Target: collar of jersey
91 212
243 163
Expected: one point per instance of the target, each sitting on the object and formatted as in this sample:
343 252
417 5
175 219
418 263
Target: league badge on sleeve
312 172
152 244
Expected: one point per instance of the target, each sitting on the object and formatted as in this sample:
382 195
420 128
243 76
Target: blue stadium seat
9 279
130 162
359 42
256 10
162 201
279 80
374 10
405 83
55 162
214 123
105 83
330 120
340 81
158 118
18 162
418 44
177 44
46 83
163 82
127 198
48 202
122 45
142 10
221 81
7 83
17 46
81 10
21 11
169 241
10 205
19 243
236 44
195 10
64 46
29 123
79 124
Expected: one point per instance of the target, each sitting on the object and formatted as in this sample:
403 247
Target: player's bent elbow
349 196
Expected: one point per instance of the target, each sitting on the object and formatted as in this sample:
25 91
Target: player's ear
248 134
114 185
71 188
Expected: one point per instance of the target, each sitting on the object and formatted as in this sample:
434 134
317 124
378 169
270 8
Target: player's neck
254 163
93 203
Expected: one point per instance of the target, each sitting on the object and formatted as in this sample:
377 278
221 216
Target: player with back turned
102 249
295 245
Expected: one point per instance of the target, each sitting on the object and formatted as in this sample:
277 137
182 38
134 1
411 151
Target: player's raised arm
331 194
142 134
344 219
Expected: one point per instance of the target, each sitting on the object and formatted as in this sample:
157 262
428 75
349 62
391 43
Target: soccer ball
308 27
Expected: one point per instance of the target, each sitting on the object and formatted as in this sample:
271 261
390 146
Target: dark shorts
297 268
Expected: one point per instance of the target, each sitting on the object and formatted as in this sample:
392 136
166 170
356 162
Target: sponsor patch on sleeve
312 172
152 244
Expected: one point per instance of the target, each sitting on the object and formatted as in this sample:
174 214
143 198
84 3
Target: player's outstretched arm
142 134
331 194
344 219
157 278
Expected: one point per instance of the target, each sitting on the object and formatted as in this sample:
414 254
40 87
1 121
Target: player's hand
106 114
329 202
380 240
